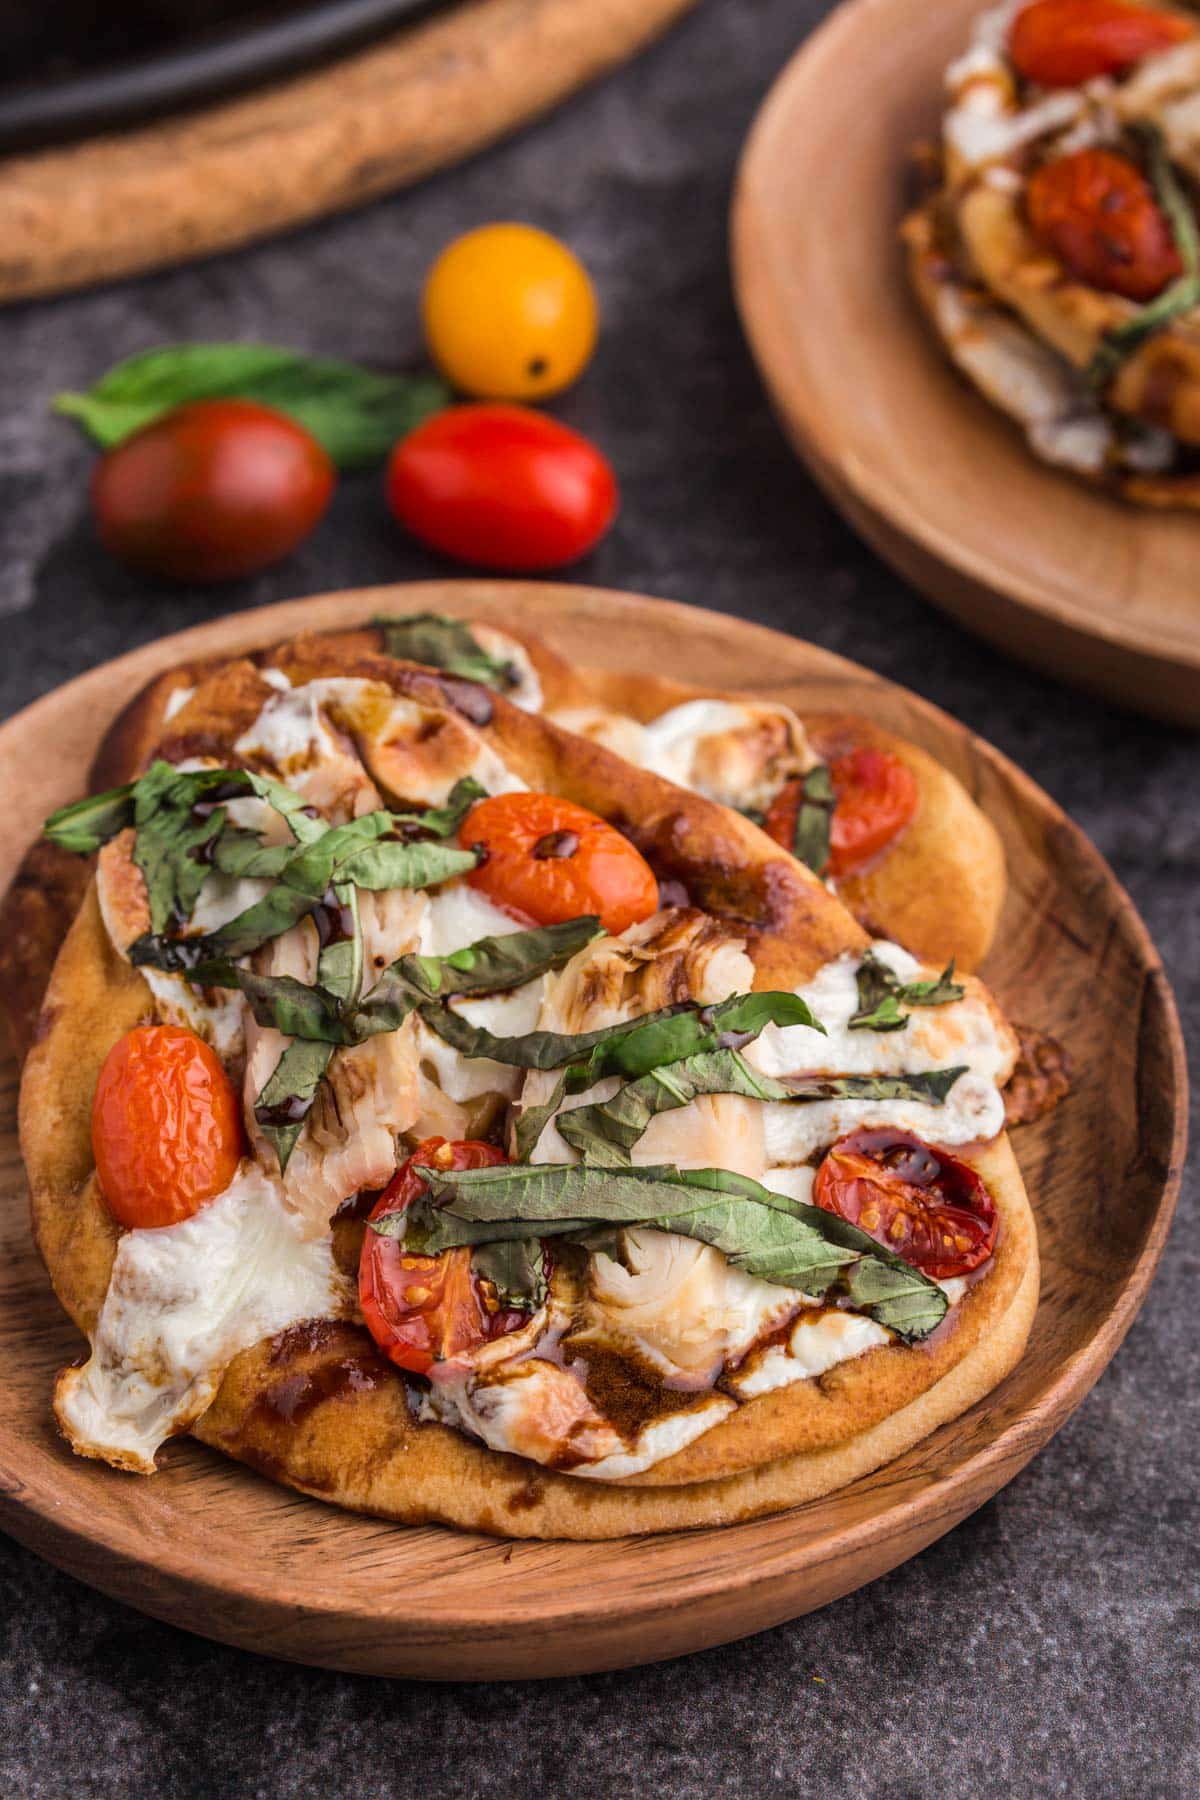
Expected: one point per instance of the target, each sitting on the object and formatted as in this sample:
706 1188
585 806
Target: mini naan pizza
1058 258
455 1121
889 829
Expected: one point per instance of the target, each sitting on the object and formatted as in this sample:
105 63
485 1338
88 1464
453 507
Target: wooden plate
1093 590
212 1547
238 170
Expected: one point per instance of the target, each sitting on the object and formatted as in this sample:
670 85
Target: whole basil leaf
357 414
441 642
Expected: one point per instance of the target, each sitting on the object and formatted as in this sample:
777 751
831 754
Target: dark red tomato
423 1310
875 797
549 860
924 1204
502 487
166 1126
1097 213
1060 43
211 492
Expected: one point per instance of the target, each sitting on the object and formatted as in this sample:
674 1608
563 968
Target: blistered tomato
1098 214
426 1309
548 860
166 1126
924 1204
875 797
1060 43
509 313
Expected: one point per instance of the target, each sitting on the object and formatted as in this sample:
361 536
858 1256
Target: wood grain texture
360 127
1060 575
212 1547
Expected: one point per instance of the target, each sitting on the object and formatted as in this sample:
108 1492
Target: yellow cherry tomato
510 313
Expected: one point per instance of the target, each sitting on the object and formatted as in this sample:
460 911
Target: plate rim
987 1467
867 485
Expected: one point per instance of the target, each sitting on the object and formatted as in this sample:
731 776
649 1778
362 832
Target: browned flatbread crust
938 890
316 1407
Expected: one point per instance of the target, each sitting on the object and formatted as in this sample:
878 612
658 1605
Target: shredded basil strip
882 994
814 818
441 642
1117 345
516 1267
606 1132
769 1235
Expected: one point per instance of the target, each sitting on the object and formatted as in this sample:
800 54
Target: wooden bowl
210 1546
1095 591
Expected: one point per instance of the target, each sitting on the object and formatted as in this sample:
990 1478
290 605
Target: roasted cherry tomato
549 860
510 313
875 797
211 491
1060 43
1097 213
166 1126
924 1204
502 487
426 1309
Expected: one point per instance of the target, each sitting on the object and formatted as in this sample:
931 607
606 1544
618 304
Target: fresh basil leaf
814 817
606 1132
441 642
881 994
768 1235
516 1269
85 825
632 1049
288 1097
357 414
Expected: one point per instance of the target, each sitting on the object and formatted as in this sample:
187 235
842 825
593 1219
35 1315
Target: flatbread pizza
1057 255
457 1122
891 831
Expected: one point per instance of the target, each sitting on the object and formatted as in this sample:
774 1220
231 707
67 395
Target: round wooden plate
941 485
238 170
210 1546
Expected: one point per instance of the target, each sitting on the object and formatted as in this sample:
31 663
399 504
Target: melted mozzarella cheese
612 730
292 730
935 1037
680 1304
817 1343
458 915
182 1301
217 1015
728 750
527 691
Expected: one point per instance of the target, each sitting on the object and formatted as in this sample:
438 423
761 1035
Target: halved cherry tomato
1060 43
166 1126
549 860
503 487
211 491
875 797
924 1204
426 1309
1097 212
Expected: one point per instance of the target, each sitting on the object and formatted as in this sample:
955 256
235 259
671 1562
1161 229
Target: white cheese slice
182 1301
724 750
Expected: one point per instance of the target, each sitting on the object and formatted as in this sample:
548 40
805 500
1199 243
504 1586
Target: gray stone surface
1048 1646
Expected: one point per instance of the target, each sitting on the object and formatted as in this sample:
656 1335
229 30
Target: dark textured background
1048 1645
